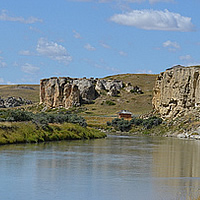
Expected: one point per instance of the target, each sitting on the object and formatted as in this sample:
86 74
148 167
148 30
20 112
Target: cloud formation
89 47
1 80
25 53
104 45
53 51
154 20
171 46
186 57
76 35
122 53
2 63
144 71
30 69
5 17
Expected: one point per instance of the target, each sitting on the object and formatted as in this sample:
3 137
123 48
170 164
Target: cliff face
177 91
68 92
56 92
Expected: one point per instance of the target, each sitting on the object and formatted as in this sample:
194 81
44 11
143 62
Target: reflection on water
177 164
116 168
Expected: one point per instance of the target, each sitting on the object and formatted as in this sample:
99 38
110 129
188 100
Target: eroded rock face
177 91
68 92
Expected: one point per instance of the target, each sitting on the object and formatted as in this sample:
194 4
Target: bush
15 115
125 125
120 124
41 119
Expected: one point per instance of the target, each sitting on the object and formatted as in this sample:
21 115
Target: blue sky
95 38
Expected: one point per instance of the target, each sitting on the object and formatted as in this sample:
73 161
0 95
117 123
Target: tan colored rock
177 91
68 92
56 92
71 96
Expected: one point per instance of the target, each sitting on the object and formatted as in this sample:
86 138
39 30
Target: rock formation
177 91
13 102
133 89
68 92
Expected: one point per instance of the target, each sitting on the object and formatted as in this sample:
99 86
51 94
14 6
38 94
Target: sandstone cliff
68 92
177 91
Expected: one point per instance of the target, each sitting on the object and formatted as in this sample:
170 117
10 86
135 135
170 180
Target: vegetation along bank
17 126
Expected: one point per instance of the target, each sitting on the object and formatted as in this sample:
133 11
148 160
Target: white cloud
25 53
186 57
144 71
154 20
53 51
106 46
122 53
171 46
89 47
35 29
2 63
76 35
15 64
5 17
10 83
30 69
1 80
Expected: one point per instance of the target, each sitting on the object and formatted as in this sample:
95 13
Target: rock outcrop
177 91
68 92
13 102
133 89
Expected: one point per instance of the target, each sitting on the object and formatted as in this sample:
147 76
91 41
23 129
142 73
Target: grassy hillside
29 92
136 103
100 112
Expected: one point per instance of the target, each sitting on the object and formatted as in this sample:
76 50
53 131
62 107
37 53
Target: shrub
120 124
125 125
15 115
41 119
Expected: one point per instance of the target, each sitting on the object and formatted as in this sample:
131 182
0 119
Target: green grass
27 132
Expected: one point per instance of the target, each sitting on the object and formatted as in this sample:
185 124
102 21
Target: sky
95 38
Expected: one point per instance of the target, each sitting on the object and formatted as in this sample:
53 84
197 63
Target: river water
115 168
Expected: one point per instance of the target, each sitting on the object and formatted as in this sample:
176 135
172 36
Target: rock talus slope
177 91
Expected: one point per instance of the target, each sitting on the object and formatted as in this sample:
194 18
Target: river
115 168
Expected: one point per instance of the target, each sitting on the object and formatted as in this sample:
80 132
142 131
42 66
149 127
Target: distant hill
29 92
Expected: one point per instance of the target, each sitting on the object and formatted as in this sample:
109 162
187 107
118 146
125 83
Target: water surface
115 168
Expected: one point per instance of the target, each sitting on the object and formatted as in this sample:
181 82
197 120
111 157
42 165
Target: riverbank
28 132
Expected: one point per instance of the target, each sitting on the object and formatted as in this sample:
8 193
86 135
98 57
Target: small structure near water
125 114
